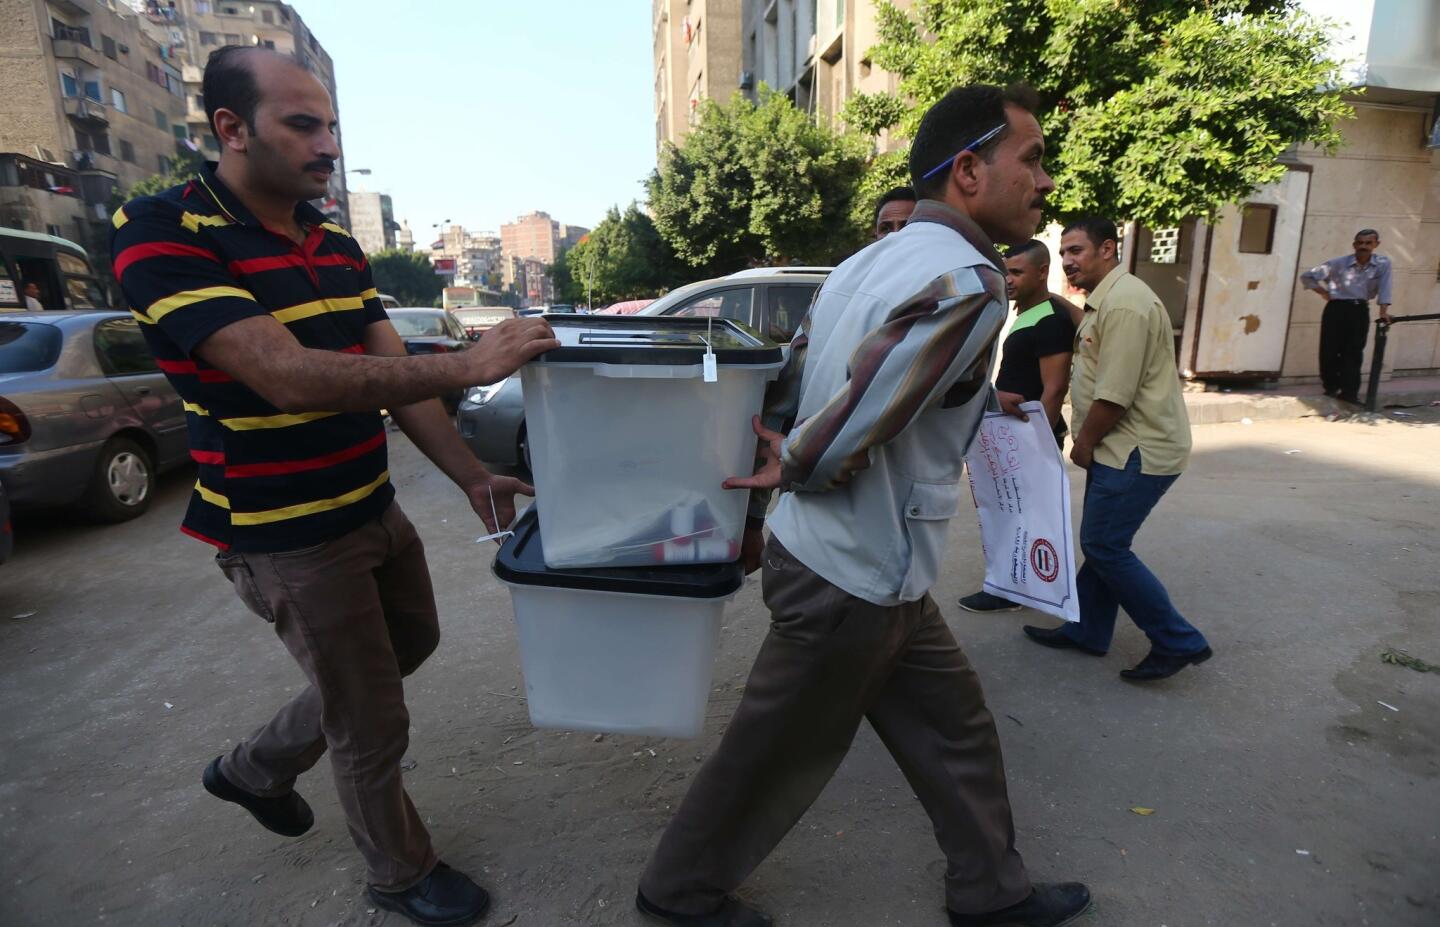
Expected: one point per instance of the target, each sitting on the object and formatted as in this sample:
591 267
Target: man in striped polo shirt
265 317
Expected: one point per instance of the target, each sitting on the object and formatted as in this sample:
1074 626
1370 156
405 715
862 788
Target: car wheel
123 483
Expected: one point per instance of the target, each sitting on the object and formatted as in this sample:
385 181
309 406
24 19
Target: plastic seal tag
710 372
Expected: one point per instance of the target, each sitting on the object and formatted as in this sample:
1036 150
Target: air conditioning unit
747 80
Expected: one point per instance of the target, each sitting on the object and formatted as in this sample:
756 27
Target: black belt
1353 302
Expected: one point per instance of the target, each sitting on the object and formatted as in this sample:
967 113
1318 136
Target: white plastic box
630 440
620 651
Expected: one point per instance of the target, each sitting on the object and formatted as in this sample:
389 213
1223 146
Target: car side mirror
473 336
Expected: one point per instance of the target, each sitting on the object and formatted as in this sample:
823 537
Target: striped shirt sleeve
374 309
172 280
933 349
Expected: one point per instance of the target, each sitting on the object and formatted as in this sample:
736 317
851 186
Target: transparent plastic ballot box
633 424
623 651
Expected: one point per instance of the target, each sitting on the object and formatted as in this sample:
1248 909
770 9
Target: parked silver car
86 416
770 300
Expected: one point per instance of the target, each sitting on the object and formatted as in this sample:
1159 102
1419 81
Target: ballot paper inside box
633 424
1022 497
627 651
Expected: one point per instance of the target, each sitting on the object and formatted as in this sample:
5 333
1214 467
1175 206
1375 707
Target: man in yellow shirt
1134 441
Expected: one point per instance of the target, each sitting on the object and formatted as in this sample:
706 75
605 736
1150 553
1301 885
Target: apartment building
697 57
372 220
91 104
199 27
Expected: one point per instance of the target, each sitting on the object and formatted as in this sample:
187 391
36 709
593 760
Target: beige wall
668 37
842 57
1383 178
29 110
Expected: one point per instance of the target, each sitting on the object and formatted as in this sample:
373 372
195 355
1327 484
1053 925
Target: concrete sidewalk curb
1218 408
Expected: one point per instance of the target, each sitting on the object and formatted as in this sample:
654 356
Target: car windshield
418 324
26 346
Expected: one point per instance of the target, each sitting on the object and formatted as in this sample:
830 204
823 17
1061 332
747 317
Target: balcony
87 112
75 48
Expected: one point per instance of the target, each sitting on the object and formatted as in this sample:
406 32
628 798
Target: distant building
372 220
404 238
202 26
697 56
91 104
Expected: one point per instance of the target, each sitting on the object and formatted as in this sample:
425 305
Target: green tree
758 182
407 276
625 257
1154 110
562 279
182 167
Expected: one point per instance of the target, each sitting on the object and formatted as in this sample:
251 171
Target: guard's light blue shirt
1347 278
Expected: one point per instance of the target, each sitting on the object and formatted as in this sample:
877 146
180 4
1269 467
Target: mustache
323 164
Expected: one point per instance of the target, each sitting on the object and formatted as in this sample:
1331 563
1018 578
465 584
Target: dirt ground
1295 778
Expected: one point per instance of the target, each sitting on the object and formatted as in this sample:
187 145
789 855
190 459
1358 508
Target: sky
478 112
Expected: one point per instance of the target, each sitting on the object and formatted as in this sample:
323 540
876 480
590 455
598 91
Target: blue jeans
1116 505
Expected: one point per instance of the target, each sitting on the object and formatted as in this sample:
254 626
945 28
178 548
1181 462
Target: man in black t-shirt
1036 360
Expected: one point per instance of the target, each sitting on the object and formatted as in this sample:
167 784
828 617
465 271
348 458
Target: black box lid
521 561
641 339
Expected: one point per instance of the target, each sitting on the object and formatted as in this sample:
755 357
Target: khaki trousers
830 660
358 614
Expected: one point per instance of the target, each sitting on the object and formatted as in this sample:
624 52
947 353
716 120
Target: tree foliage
182 167
407 276
625 257
1154 110
757 182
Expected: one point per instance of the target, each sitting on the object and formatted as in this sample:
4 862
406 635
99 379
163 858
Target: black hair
958 119
229 83
1363 232
1096 228
1032 246
896 195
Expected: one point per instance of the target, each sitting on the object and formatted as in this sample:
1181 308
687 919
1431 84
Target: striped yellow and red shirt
192 260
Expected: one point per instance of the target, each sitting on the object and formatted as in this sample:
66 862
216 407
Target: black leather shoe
1051 904
733 913
444 898
287 815
1160 666
1057 638
984 603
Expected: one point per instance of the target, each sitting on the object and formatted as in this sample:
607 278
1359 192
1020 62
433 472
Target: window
180 131
127 152
84 293
232 38
268 17
785 308
269 44
161 120
232 11
97 142
202 8
92 91
208 38
72 263
117 100
27 346
839 12
52 230
65 32
108 44
1257 228
736 304
210 143
200 102
69 84
122 349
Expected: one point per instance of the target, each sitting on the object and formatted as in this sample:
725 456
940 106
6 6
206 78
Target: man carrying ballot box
887 380
1133 438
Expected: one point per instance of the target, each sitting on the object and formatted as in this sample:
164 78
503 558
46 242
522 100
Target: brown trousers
358 614
829 660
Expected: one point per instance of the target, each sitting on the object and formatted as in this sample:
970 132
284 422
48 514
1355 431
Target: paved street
1295 778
